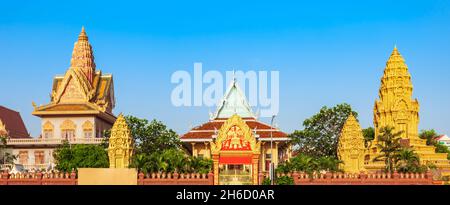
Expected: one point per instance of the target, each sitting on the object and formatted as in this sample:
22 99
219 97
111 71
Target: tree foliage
158 149
284 180
6 158
369 135
71 157
389 146
152 136
171 160
308 164
407 161
321 132
428 135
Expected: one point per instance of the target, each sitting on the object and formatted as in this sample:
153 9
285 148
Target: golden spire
83 57
396 75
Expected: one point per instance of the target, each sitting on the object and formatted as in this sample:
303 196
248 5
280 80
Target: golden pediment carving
68 125
88 125
235 135
47 126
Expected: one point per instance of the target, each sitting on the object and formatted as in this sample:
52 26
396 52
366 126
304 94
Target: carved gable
235 135
72 92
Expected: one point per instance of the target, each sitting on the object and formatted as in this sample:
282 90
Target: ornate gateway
235 153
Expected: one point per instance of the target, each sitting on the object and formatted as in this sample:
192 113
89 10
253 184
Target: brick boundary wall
361 179
175 179
39 179
208 179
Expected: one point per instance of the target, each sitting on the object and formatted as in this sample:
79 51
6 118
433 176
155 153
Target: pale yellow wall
48 155
201 149
107 176
57 121
98 124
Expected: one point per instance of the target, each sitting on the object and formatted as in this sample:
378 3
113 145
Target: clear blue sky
326 52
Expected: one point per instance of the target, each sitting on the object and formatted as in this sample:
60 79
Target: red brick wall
175 179
208 179
39 179
363 179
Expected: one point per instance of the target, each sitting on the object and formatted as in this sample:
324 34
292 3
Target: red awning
235 160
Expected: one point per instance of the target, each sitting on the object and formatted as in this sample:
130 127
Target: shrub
285 180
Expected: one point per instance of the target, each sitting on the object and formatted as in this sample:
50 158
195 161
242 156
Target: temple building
80 109
240 146
397 108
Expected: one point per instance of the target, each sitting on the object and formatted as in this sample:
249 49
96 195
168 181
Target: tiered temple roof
83 89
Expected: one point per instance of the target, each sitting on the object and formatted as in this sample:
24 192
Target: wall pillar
263 157
275 154
255 173
215 159
194 153
207 150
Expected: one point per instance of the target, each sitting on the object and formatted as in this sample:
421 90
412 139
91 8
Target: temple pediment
235 135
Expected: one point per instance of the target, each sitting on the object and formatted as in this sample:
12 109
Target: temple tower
397 108
351 147
120 147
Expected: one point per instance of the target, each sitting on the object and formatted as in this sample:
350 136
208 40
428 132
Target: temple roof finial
83 35
395 51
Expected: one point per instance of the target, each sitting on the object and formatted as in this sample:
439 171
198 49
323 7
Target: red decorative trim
235 160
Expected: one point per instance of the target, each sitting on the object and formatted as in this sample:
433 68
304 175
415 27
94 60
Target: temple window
47 130
39 157
68 130
88 128
23 157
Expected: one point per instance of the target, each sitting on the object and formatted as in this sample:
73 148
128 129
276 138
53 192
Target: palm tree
389 145
428 135
407 160
328 164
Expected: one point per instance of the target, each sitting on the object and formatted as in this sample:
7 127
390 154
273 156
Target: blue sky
327 52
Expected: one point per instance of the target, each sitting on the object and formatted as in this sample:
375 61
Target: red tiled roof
205 131
13 123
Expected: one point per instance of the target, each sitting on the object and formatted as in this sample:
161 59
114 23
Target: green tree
308 164
71 157
428 135
152 136
369 135
389 145
406 160
284 180
6 158
320 134
158 149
